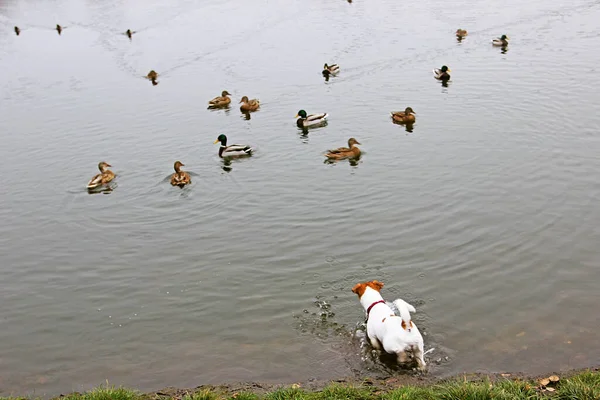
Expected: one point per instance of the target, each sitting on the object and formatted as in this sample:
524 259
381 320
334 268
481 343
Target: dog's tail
404 308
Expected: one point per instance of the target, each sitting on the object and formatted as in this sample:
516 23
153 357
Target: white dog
387 331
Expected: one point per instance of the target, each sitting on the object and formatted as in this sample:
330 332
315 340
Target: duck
442 73
501 41
332 69
352 151
103 178
220 101
249 105
152 75
305 120
17 30
129 33
404 117
461 33
59 29
180 178
233 150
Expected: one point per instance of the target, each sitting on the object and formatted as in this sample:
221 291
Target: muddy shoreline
378 383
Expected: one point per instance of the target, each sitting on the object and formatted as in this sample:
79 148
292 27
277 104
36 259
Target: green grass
582 386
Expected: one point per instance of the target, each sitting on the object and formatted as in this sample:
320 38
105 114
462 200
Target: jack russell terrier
396 335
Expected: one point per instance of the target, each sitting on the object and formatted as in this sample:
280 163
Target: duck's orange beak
296 116
216 141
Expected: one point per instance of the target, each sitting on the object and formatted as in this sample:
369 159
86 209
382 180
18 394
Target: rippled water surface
485 216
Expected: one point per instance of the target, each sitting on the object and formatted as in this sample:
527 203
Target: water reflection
503 49
407 126
353 161
226 165
226 109
246 115
106 189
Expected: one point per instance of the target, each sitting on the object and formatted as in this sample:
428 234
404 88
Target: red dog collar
373 305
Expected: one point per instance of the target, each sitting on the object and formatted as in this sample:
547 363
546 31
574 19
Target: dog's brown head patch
360 288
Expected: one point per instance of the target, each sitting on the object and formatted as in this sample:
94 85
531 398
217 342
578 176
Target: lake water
485 216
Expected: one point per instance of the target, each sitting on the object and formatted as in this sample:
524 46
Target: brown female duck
180 178
404 117
220 101
461 33
249 105
352 151
103 178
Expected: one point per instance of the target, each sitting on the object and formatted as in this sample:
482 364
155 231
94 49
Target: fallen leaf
521 334
544 382
295 386
554 378
505 375
550 389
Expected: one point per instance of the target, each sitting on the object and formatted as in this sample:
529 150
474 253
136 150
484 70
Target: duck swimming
129 33
461 33
404 117
442 73
249 105
180 178
103 178
352 151
233 150
501 41
59 29
220 101
152 75
305 120
17 30
332 69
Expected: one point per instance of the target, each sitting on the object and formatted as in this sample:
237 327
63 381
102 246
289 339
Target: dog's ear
377 284
357 288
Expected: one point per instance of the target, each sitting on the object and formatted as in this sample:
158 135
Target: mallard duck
233 150
461 33
129 33
17 30
404 117
59 29
103 178
180 178
249 105
442 73
305 120
352 151
220 101
332 69
501 41
152 75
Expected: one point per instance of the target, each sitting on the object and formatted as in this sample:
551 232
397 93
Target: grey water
485 214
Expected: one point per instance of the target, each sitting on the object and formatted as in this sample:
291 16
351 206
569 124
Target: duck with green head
233 150
442 73
501 41
305 120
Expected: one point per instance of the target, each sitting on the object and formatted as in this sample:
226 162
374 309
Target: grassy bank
580 386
